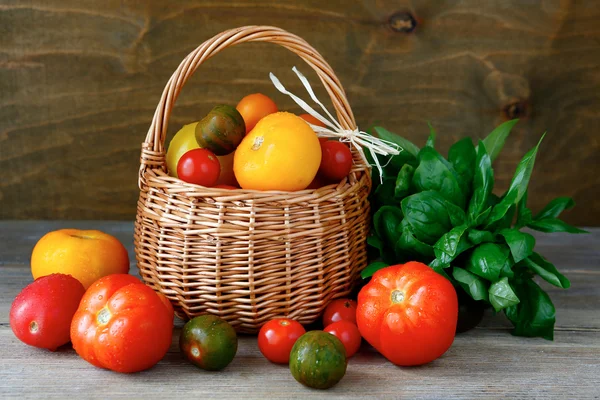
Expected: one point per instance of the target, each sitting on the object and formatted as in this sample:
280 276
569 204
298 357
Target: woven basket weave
249 256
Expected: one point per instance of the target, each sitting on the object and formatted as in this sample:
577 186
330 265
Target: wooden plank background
80 79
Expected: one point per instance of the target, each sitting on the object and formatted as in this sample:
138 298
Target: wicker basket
249 256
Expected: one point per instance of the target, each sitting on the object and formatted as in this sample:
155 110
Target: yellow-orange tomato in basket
281 153
254 107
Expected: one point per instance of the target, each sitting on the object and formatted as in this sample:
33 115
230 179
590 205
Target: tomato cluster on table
406 312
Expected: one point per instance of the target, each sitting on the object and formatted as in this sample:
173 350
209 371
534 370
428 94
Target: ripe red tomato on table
336 160
122 324
41 314
408 313
199 166
340 310
348 334
277 337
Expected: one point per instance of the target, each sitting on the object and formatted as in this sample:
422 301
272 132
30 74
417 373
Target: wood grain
79 81
485 363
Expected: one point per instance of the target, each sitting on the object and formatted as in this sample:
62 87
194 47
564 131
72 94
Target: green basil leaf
480 219
555 207
487 261
518 185
403 182
431 138
477 237
438 267
384 194
495 140
456 214
462 157
523 213
409 245
471 283
375 242
521 244
483 184
446 248
407 146
547 271
550 225
502 295
372 268
427 215
535 314
435 173
386 222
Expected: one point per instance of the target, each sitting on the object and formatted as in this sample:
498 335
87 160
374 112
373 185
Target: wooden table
485 362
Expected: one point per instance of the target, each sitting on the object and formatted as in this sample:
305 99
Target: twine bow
357 138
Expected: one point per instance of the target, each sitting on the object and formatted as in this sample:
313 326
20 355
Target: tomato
41 314
340 310
254 107
312 120
408 313
208 342
336 160
199 166
348 333
122 325
318 360
277 337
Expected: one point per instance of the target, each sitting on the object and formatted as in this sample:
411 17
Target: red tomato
277 337
122 325
336 160
41 313
340 310
349 335
199 166
408 313
255 107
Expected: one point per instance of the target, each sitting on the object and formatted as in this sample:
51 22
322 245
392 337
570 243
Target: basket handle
153 154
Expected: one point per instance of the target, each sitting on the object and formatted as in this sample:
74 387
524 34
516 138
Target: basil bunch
442 212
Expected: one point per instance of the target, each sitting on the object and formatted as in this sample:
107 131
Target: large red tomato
41 314
122 325
408 313
277 337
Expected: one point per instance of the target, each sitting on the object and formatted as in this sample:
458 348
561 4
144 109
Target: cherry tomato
41 314
349 335
277 337
340 310
408 313
199 166
336 160
311 120
122 325
254 107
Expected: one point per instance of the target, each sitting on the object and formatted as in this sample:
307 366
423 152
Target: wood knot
517 109
402 21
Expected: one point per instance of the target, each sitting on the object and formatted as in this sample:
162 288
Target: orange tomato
311 120
85 255
254 107
281 153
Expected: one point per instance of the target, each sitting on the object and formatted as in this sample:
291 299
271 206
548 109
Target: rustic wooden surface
79 81
487 362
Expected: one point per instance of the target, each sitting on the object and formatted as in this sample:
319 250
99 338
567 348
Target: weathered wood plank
75 103
485 363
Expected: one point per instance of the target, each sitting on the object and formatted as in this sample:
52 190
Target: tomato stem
33 327
103 316
397 296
